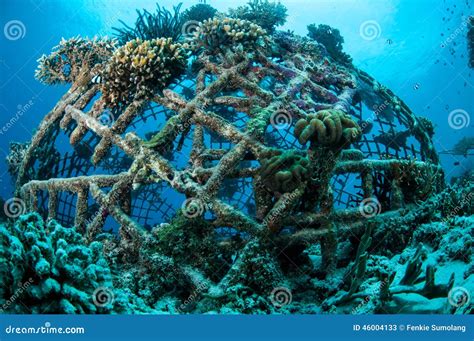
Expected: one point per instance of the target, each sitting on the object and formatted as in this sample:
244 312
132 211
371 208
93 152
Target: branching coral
328 128
199 12
140 68
264 13
71 60
148 26
217 35
286 172
63 274
332 40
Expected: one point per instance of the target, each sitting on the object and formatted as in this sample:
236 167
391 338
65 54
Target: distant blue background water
420 54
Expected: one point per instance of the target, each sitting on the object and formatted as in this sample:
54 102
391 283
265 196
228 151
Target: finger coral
140 68
216 35
56 271
286 172
72 58
328 128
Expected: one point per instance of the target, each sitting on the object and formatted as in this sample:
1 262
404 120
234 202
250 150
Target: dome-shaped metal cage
92 167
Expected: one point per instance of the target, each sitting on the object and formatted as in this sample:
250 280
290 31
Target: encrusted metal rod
81 103
229 216
48 122
226 130
366 165
118 127
72 184
132 145
91 123
274 218
52 203
81 209
80 131
127 224
198 146
97 223
226 165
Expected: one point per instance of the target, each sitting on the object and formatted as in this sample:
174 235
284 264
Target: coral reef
264 13
73 60
220 34
332 40
264 226
148 26
63 273
328 128
199 12
285 173
140 68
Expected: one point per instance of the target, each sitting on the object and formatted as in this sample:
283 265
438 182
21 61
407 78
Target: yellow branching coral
72 58
328 128
140 68
218 33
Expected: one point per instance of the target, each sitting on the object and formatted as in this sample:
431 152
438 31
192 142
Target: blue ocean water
419 52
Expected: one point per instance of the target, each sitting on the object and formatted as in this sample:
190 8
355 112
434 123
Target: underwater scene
236 157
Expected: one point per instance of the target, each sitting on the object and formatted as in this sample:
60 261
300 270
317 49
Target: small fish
457 163
97 79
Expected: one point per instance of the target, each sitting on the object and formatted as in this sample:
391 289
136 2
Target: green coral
329 128
264 13
331 39
184 234
160 24
55 271
140 68
199 12
67 62
286 172
218 34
